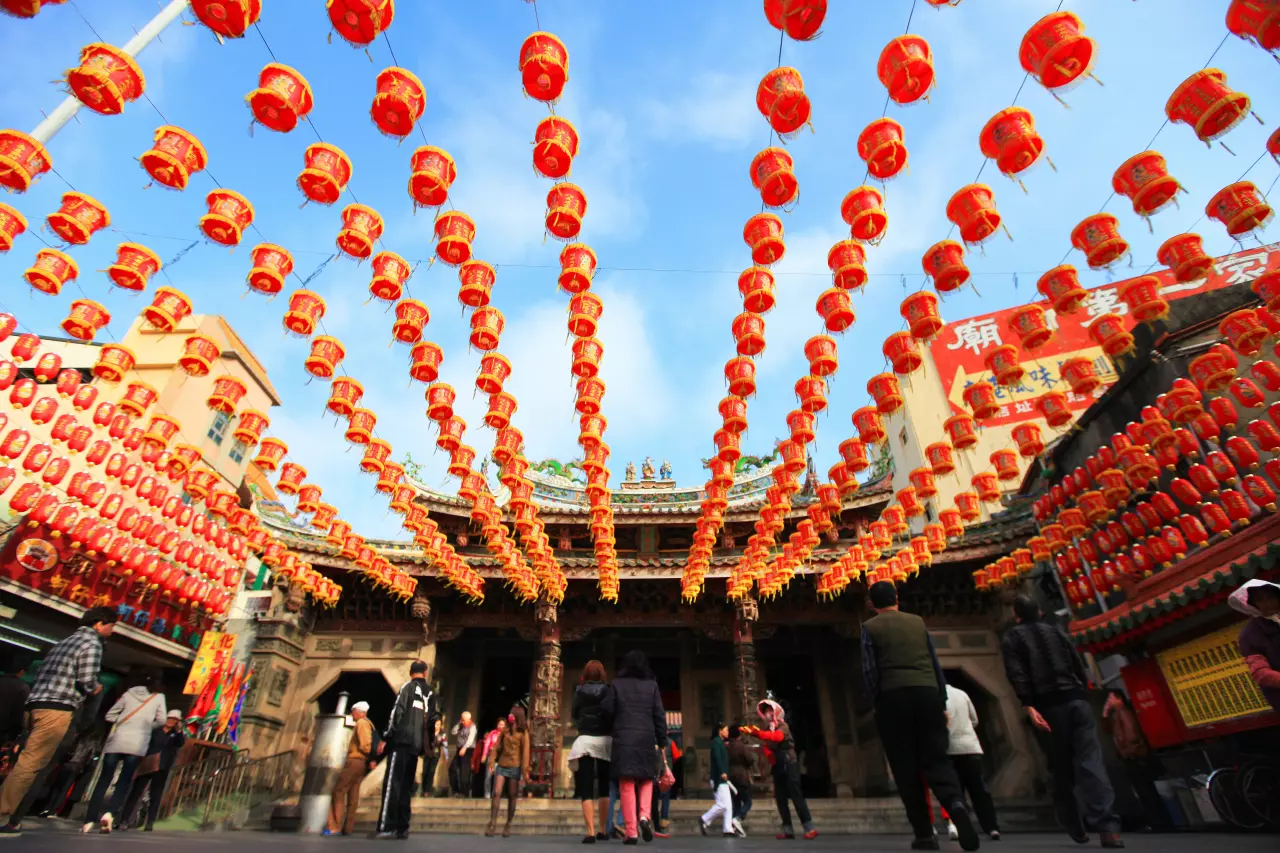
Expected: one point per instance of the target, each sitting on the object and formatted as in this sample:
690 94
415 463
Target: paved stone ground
50 840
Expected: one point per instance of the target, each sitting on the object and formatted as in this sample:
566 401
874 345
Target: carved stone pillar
745 671
548 683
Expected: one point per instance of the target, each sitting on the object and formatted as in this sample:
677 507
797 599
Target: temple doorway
371 687
790 676
505 682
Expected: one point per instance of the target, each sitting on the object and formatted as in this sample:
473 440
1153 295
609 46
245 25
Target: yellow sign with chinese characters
1210 681
214 653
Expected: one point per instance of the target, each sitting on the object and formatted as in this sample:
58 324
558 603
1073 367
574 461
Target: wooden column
746 680
548 684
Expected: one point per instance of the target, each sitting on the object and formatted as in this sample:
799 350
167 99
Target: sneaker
646 829
87 828
383 836
994 835
810 834
106 823
951 831
10 830
1111 840
738 828
787 834
326 832
702 826
965 833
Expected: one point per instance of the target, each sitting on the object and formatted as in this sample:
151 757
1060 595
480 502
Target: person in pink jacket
490 741
1260 636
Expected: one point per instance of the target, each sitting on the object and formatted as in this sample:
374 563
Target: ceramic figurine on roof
646 468
664 471
631 472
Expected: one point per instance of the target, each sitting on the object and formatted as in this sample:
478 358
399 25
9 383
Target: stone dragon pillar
548 684
745 670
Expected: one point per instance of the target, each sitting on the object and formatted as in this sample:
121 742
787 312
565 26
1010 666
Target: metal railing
187 790
233 794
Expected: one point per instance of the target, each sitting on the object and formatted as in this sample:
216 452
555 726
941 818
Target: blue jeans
615 816
742 802
128 764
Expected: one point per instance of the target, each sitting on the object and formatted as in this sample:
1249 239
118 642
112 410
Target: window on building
902 436
237 452
218 429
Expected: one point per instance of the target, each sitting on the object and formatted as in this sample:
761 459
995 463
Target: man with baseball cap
360 759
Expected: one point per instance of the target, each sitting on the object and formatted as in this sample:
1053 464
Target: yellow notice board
1210 680
215 647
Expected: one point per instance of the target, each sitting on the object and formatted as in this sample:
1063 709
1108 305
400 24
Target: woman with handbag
134 716
639 727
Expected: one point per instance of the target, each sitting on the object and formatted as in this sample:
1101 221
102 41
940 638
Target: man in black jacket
1049 679
412 719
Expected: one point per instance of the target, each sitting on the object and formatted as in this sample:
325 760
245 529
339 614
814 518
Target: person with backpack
135 715
153 772
361 756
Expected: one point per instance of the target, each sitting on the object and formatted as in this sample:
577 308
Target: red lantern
923 482
980 397
1003 363
486 328
773 175
85 320
590 394
1061 286
544 66
1184 254
440 398
360 426
1027 437
1055 50
763 233
271 266
885 390
1098 236
250 426
22 160
12 223
133 267
477 278
748 333
1031 326
227 393
836 309
106 79
1240 208
882 145
961 430
451 431
869 424
920 310
325 356
138 397
987 486
271 451
229 214
282 99
901 351
425 359
411 317
799 19
1207 104
361 228
51 270
174 156
1211 371
587 353
1145 180
325 173
973 210
944 263
740 372
1080 375
1244 331
863 210
454 233
847 262
79 218
584 314
344 396
781 99
291 479
1010 138
1052 405
905 69
1108 331
1005 462
566 205
399 101
433 172
305 310
168 308
1255 21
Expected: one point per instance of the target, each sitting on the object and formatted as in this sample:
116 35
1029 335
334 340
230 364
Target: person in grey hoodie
134 716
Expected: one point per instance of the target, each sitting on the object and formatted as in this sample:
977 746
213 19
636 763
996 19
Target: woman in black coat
639 730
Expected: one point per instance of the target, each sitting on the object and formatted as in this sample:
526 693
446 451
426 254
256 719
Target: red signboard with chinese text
1155 708
959 349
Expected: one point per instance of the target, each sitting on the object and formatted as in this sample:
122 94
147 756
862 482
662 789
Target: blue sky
663 95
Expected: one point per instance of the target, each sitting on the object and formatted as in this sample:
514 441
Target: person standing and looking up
68 675
780 749
434 746
741 764
404 741
723 807
1049 679
639 727
464 739
589 756
134 716
489 741
510 763
153 772
904 680
1260 637
360 759
966 756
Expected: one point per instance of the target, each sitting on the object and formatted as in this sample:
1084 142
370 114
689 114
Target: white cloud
713 107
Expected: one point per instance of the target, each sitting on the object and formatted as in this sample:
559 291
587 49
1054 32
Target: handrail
186 788
236 790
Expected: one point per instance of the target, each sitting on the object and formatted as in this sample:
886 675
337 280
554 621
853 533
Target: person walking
905 683
589 756
1141 767
780 750
464 739
723 808
404 740
741 765
1260 636
360 760
639 727
134 716
490 740
966 756
68 675
434 747
153 772
1049 679
510 762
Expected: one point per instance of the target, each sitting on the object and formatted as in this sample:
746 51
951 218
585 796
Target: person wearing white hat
153 772
360 758
1260 636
